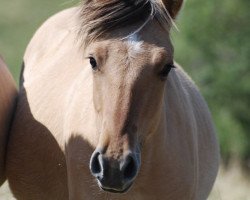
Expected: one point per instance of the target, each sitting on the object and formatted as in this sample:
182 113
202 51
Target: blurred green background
212 45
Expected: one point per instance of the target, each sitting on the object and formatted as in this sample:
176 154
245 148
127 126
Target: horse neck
176 132
155 143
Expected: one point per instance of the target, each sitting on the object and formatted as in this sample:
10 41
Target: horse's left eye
166 69
93 63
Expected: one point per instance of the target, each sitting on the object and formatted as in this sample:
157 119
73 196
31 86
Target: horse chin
116 191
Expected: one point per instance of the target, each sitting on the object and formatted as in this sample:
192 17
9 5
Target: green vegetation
213 45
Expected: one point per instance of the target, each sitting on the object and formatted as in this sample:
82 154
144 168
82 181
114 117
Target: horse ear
173 6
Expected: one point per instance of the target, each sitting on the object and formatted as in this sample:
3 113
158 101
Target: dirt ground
5 193
230 185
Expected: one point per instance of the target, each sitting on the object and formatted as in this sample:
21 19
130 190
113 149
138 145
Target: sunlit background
213 46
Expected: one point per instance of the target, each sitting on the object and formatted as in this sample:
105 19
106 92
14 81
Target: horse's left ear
173 6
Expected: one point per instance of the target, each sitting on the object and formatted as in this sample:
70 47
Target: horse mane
99 17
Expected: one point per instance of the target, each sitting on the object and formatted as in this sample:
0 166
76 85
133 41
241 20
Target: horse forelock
99 17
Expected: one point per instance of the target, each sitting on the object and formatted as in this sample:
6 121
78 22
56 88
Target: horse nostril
114 175
95 164
130 168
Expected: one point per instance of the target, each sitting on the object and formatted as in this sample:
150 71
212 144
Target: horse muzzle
115 175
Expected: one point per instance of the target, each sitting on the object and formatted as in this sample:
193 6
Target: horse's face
128 87
129 76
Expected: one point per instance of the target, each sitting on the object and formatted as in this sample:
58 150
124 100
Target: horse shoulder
203 133
8 93
51 34
52 46
208 148
37 122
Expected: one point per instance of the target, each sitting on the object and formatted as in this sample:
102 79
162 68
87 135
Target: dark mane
101 16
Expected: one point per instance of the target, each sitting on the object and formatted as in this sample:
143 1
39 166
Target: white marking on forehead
134 45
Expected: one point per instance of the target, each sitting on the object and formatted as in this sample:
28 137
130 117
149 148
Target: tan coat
8 95
63 106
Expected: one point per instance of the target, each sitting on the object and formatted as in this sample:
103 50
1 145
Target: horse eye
165 71
93 63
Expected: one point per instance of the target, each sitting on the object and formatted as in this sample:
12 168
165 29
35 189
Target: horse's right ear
173 6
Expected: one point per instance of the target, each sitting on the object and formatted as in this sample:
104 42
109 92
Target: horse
104 111
8 94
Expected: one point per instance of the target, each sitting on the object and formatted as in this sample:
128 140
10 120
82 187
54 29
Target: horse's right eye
93 63
165 71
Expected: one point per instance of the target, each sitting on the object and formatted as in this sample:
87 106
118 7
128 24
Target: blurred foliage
212 45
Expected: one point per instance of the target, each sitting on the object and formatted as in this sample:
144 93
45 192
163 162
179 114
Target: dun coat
104 112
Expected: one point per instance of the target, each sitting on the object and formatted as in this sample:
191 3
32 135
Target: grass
231 184
5 193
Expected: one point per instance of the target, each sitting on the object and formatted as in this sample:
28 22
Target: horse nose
129 167
114 175
97 164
